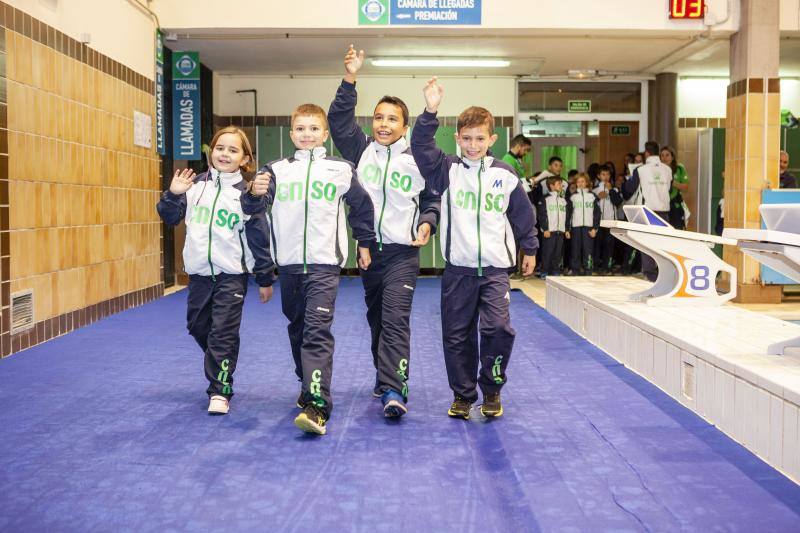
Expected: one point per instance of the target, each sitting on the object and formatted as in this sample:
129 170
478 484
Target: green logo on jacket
223 218
374 174
469 200
293 192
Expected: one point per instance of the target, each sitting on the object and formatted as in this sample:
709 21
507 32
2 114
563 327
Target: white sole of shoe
218 406
394 409
308 425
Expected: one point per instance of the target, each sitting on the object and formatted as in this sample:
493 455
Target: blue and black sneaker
393 404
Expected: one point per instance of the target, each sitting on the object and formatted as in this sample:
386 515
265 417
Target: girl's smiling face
227 155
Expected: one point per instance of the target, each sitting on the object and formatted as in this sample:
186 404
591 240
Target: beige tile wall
82 222
752 144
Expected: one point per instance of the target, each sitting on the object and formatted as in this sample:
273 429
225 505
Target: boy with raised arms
406 214
485 212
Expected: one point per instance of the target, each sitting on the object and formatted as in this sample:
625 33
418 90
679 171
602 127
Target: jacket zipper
480 200
210 226
305 214
383 205
583 210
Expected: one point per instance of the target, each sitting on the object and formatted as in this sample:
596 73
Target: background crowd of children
570 205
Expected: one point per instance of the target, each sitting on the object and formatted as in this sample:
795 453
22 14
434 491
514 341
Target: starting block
687 266
778 247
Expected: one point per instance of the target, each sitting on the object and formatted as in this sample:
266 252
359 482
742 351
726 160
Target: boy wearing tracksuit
309 244
223 245
609 198
485 212
554 224
406 214
584 213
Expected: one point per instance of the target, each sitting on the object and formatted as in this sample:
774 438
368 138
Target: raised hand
433 95
423 235
182 181
353 62
260 184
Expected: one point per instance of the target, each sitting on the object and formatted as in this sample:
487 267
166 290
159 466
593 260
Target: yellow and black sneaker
312 419
460 408
492 408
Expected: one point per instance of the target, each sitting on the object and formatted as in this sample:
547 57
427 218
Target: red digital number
686 9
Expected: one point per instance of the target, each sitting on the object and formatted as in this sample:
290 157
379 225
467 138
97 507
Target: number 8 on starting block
687 266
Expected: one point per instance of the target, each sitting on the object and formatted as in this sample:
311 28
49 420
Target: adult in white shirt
650 184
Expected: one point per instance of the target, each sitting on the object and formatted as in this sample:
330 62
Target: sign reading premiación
419 12
186 105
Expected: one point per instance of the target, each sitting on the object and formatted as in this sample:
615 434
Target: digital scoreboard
687 9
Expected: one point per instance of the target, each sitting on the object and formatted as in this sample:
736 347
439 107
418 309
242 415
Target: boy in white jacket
554 224
609 198
406 215
485 212
309 244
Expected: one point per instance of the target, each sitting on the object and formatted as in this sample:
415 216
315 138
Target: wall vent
21 311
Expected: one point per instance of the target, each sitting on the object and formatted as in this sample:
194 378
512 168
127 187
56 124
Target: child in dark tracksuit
609 198
554 224
405 211
584 214
309 244
223 245
485 212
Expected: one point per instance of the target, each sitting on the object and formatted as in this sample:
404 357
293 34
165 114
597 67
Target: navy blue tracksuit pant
389 285
308 300
213 316
473 304
603 249
552 253
581 249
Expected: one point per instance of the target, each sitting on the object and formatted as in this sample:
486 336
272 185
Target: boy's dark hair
474 116
551 181
593 171
572 173
393 100
520 140
554 159
651 147
605 168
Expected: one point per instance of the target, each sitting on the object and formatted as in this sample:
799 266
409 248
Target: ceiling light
582 74
439 62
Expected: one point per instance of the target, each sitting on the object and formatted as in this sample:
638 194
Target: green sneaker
312 420
460 408
492 408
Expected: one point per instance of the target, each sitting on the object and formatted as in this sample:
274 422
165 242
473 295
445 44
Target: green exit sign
621 131
579 106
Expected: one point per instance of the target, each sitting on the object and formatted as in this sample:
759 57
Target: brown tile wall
77 217
752 144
